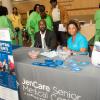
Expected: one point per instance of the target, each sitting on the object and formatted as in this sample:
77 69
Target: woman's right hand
65 48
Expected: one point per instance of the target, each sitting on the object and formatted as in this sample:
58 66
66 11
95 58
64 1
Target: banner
8 86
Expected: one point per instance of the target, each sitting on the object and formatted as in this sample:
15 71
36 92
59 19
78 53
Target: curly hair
75 23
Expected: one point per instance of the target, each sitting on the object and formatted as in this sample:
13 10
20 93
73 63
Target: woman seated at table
77 42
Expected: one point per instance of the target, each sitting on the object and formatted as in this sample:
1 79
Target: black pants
56 26
61 36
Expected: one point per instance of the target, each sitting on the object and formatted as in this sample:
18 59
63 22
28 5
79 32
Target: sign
61 28
46 83
96 54
43 83
8 84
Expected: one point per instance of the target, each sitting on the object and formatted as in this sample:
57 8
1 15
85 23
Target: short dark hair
15 8
36 6
42 20
3 11
76 23
42 8
51 1
99 5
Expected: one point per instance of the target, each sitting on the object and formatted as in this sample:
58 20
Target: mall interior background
83 11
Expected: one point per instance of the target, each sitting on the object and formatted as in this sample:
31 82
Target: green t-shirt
33 22
97 19
6 23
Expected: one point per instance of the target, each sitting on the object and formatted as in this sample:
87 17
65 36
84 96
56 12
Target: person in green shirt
33 21
6 23
46 17
97 20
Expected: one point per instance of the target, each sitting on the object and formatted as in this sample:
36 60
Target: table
43 83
